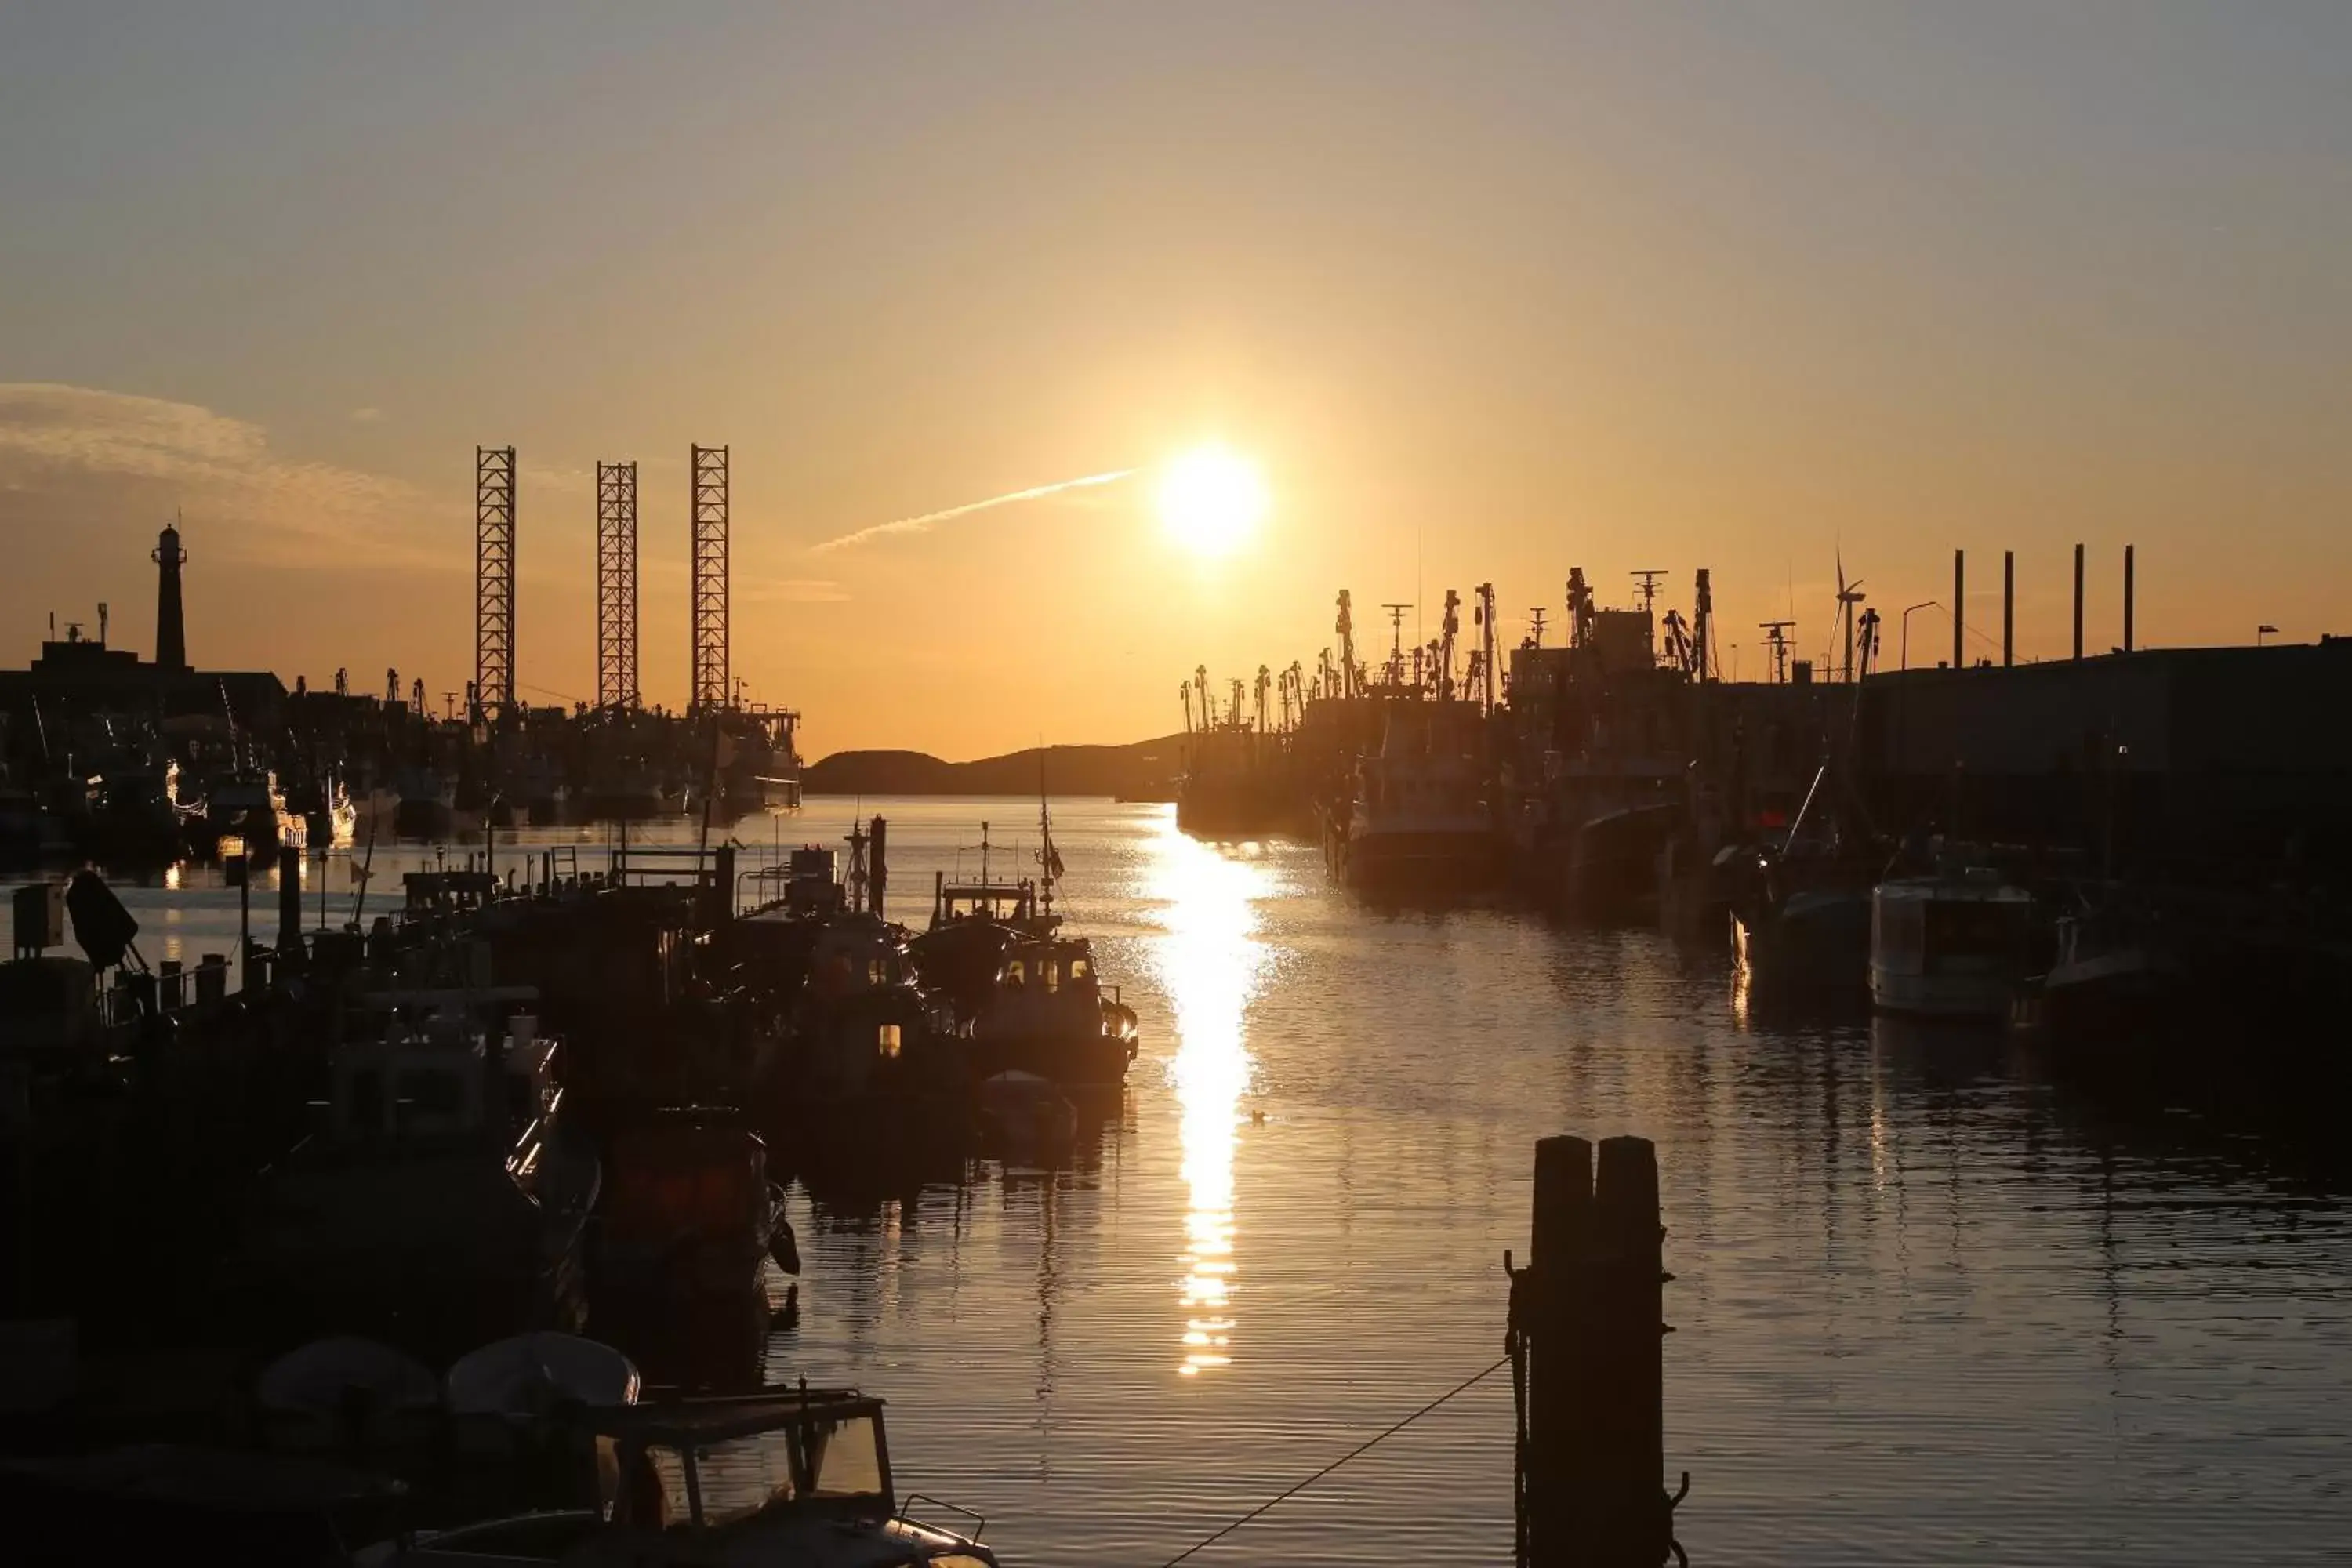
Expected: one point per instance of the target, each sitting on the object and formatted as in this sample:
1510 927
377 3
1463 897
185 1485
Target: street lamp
1923 604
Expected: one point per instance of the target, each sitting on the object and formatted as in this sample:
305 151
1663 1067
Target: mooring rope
1361 1448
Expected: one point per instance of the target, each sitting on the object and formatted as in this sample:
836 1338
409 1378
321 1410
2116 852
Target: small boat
798 1476
1952 946
507 1398
523 1377
1027 996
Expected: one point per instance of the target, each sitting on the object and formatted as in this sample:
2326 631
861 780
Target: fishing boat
797 1476
1027 996
1951 945
443 1200
688 1208
1419 823
246 804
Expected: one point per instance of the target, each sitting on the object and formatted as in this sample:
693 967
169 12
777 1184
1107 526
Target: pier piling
289 900
1586 1314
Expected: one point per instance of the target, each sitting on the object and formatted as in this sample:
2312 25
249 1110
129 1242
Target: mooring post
1587 1313
1557 1329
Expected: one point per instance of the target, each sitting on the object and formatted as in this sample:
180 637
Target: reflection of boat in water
1953 946
801 1477
1025 1117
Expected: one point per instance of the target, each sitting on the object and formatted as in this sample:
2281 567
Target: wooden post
289 903
1587 1308
1558 1456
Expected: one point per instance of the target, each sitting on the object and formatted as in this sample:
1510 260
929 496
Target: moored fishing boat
442 1200
1952 946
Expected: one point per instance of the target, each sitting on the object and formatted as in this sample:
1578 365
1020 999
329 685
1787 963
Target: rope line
1378 1438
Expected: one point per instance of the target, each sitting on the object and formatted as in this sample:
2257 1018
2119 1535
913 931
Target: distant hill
1144 771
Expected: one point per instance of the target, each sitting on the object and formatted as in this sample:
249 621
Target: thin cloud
89 450
929 520
368 415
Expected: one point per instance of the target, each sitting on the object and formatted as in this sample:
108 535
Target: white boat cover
529 1374
316 1379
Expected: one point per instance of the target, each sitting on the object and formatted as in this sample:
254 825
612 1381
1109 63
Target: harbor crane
1483 677
1450 627
1351 674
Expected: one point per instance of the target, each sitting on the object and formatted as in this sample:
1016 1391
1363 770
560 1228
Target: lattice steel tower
617 585
709 578
494 578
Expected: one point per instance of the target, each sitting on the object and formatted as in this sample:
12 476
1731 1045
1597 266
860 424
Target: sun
1211 499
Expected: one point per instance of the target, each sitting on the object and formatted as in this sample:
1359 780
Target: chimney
1959 606
2127 598
171 626
2007 609
2078 601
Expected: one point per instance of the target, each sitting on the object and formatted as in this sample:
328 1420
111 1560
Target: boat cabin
433 1068
787 1477
1952 946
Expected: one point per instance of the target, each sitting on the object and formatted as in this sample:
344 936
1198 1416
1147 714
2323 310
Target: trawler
1027 996
1420 821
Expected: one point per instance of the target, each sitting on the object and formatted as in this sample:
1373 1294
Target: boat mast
1046 822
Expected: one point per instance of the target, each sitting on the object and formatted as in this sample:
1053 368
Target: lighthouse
170 626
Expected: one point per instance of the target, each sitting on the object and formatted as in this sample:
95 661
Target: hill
1143 770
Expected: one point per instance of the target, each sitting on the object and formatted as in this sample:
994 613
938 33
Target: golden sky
1484 292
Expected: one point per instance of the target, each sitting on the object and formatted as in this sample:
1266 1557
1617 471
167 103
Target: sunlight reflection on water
1210 962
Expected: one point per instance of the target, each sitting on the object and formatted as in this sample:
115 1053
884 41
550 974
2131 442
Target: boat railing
906 1516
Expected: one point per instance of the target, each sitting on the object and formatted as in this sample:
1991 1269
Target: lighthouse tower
170 626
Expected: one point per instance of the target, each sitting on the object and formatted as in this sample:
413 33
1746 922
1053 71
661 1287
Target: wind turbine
1849 595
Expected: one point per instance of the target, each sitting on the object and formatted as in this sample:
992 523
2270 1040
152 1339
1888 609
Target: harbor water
1937 1298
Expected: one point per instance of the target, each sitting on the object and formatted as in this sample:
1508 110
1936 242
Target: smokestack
2078 601
2127 598
2007 609
878 874
171 628
1960 605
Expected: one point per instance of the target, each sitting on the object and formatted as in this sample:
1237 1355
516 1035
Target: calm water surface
1933 1305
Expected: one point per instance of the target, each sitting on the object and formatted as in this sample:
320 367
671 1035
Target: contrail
923 523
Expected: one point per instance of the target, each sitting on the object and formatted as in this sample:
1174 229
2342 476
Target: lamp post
1923 604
